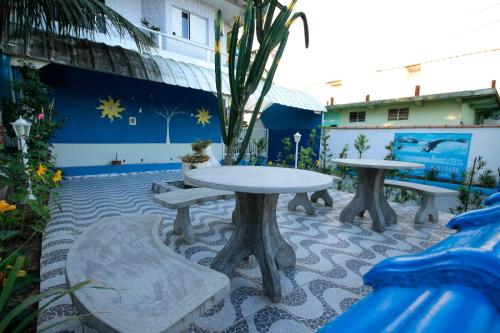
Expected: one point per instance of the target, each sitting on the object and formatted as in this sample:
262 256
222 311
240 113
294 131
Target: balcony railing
181 46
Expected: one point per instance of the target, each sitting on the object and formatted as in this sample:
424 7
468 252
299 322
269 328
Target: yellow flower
317 163
5 206
41 170
270 163
4 276
57 176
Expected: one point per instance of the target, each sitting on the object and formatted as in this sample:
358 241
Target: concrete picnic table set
142 268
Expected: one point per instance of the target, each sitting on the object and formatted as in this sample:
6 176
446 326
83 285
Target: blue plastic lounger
453 286
492 200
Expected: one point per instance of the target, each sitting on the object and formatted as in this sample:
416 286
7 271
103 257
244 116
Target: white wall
485 141
71 155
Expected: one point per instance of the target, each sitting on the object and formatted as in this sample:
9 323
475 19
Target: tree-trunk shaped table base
256 233
370 196
301 199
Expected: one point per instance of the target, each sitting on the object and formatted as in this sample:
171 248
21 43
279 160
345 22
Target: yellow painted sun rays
110 108
203 115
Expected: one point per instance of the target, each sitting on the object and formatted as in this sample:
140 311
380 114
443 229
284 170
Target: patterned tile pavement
327 279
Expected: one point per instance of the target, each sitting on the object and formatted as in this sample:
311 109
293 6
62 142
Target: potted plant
116 161
193 161
200 146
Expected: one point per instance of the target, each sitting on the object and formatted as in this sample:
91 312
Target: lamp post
297 137
22 130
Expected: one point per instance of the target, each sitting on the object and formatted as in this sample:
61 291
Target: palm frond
65 18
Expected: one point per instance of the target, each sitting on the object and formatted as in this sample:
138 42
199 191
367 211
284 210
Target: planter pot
189 166
213 161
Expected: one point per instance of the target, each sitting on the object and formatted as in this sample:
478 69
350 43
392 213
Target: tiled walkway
327 279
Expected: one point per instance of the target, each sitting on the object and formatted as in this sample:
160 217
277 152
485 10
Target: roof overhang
481 100
117 60
229 8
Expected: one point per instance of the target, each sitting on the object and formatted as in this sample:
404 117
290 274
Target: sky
348 38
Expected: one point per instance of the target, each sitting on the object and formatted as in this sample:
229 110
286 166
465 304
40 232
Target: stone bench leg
323 194
182 225
428 210
301 199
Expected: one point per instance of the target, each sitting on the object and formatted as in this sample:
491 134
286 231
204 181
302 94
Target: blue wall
77 93
283 121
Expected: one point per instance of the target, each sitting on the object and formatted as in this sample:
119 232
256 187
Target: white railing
257 134
183 46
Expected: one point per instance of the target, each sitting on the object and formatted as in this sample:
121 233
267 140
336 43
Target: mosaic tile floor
327 279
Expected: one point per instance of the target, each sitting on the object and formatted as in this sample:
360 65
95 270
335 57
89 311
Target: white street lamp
22 129
297 137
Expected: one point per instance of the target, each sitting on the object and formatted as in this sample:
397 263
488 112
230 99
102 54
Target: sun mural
203 116
110 108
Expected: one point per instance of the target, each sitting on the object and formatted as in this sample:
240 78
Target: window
189 26
185 25
398 114
357 117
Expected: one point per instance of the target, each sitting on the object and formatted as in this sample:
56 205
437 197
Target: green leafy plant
199 145
325 154
431 174
287 158
307 156
66 19
15 318
477 175
261 146
361 144
268 23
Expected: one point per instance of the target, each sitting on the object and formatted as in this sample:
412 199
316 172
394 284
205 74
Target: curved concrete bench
454 286
183 199
154 289
428 210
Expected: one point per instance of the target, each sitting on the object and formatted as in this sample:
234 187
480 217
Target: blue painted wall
283 121
77 93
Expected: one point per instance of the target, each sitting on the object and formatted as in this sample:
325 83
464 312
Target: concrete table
370 193
256 231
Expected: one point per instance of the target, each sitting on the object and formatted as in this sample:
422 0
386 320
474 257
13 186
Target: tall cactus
262 20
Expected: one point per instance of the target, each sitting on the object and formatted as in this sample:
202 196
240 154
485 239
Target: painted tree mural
167 114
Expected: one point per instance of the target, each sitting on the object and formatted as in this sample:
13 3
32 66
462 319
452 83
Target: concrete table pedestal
256 229
256 233
370 194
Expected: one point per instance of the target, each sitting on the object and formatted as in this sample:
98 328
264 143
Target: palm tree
20 19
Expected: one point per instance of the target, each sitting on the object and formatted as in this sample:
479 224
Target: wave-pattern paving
327 279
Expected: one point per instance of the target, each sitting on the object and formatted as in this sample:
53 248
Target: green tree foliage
21 19
361 144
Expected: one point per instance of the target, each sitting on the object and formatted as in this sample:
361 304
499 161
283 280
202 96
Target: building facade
143 109
474 107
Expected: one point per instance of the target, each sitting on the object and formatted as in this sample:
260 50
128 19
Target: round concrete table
256 231
370 194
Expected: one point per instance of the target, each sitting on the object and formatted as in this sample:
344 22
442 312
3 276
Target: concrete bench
183 199
301 199
452 286
428 210
146 286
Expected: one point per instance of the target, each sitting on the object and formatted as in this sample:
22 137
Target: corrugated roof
117 60
480 99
